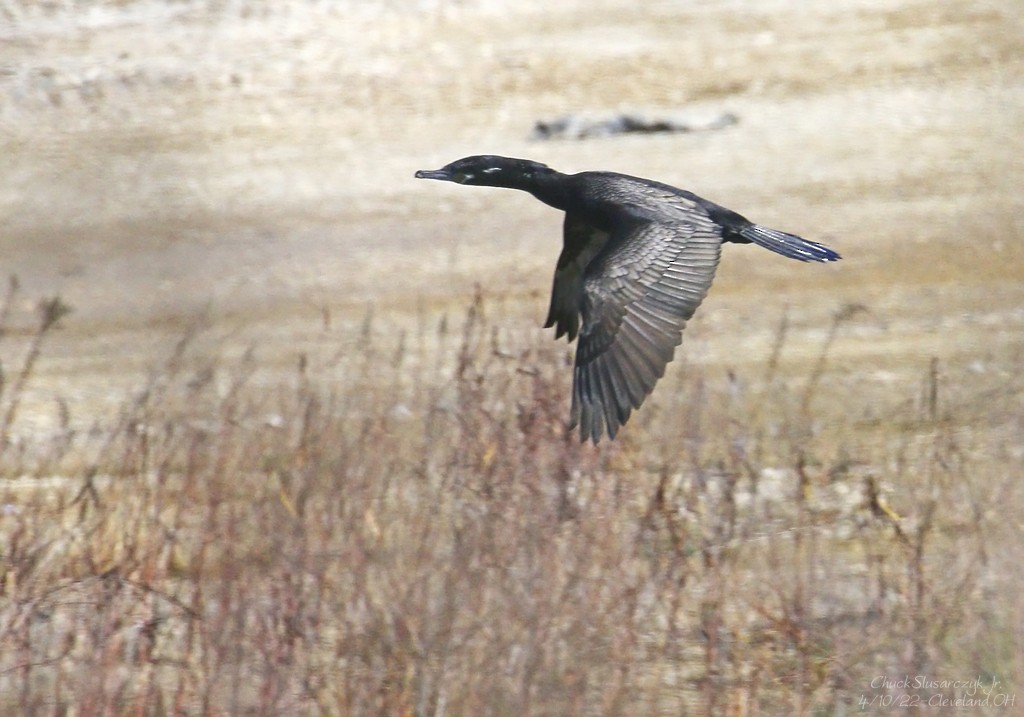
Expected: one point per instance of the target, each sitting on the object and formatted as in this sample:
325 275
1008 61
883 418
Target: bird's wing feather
637 296
582 242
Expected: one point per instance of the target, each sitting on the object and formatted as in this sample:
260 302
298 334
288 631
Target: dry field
280 433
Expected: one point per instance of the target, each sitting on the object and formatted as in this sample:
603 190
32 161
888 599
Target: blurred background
238 177
255 160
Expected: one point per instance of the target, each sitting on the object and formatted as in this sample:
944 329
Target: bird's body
638 258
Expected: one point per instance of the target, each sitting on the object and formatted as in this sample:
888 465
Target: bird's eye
461 177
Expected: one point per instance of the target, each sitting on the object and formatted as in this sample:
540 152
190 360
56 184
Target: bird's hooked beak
443 174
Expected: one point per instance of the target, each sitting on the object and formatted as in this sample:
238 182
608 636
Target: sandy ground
252 164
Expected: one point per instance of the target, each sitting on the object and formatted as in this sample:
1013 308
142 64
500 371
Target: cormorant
638 258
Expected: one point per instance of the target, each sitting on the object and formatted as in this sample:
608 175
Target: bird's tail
789 245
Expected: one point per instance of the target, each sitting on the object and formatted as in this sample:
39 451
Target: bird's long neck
550 187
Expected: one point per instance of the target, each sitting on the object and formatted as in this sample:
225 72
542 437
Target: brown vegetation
424 537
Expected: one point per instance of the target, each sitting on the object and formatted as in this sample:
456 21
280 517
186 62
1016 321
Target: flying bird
638 258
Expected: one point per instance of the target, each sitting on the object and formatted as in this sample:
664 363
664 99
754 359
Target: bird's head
489 171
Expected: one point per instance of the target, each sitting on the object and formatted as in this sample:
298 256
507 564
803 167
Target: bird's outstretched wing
638 294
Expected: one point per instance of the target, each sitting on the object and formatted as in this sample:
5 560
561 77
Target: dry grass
421 536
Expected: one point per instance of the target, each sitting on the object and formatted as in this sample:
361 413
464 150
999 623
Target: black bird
638 258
